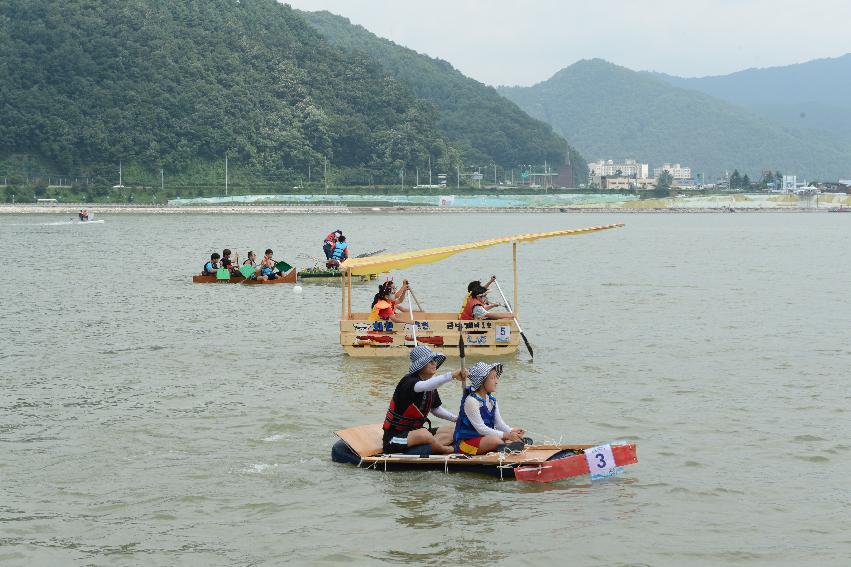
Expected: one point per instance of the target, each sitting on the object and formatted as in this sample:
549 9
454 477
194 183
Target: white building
627 168
676 170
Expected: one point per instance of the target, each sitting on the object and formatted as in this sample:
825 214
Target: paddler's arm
444 413
435 382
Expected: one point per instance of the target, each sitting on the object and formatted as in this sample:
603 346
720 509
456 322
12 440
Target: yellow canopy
387 262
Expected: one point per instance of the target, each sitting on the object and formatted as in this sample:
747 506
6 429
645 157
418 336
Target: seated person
406 424
475 285
267 266
479 428
477 307
228 263
252 261
384 304
339 254
211 267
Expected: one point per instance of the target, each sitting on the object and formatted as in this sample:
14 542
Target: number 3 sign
601 462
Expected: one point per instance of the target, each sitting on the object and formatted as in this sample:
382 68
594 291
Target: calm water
147 420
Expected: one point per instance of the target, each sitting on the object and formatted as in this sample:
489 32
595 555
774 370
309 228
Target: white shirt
471 408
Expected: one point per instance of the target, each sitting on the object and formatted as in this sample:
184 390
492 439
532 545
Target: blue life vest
463 428
210 269
337 254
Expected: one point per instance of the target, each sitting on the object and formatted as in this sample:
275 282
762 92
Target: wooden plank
575 465
365 440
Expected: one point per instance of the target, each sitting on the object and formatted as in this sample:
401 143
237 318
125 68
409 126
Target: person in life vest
84 215
479 428
228 263
267 266
330 242
252 261
406 423
474 285
478 307
386 303
339 255
212 266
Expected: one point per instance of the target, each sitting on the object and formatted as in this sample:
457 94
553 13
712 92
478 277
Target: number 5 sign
601 462
503 333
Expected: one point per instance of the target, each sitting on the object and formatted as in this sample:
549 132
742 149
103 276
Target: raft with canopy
440 330
361 446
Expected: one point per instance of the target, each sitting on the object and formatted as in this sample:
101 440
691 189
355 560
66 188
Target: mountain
473 116
815 94
177 84
612 112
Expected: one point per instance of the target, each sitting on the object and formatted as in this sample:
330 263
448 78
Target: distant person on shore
478 307
339 255
211 267
330 243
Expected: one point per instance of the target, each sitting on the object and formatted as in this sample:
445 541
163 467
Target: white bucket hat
422 355
479 372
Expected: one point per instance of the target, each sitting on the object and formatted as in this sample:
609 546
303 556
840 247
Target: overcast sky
524 42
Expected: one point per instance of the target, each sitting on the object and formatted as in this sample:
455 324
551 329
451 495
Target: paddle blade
222 274
247 271
461 346
528 346
283 267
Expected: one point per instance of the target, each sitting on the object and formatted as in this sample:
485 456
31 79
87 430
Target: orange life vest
467 312
380 305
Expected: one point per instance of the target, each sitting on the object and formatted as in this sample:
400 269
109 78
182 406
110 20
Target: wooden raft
289 277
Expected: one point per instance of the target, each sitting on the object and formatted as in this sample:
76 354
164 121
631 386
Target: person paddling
211 267
475 285
479 428
386 303
478 307
267 265
229 263
406 424
251 260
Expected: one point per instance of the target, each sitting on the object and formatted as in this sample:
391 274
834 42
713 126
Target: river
146 420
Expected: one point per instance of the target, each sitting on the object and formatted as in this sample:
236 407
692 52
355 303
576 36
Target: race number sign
601 462
503 333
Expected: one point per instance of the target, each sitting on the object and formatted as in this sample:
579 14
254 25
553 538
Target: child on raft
267 266
480 428
251 260
406 424
386 303
228 263
211 267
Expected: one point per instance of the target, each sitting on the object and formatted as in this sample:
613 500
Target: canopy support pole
343 291
350 294
514 253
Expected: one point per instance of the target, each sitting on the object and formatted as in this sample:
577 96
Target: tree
746 182
735 179
663 184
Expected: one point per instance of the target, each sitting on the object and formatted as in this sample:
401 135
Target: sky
514 42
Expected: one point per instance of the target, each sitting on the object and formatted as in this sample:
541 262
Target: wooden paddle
420 307
516 322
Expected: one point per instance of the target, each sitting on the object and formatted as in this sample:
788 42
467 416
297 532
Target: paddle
420 307
368 254
516 322
413 323
283 267
461 353
222 274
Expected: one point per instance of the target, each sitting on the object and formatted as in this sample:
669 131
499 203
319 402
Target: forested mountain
171 84
611 112
473 116
814 94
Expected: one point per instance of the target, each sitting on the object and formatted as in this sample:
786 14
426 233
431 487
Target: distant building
790 183
676 170
615 183
608 168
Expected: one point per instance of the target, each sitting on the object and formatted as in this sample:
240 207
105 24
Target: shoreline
106 208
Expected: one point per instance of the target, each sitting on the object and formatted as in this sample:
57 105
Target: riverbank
101 209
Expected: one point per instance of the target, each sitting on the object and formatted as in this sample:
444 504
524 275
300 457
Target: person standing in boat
477 307
339 254
211 267
479 428
406 423
330 242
